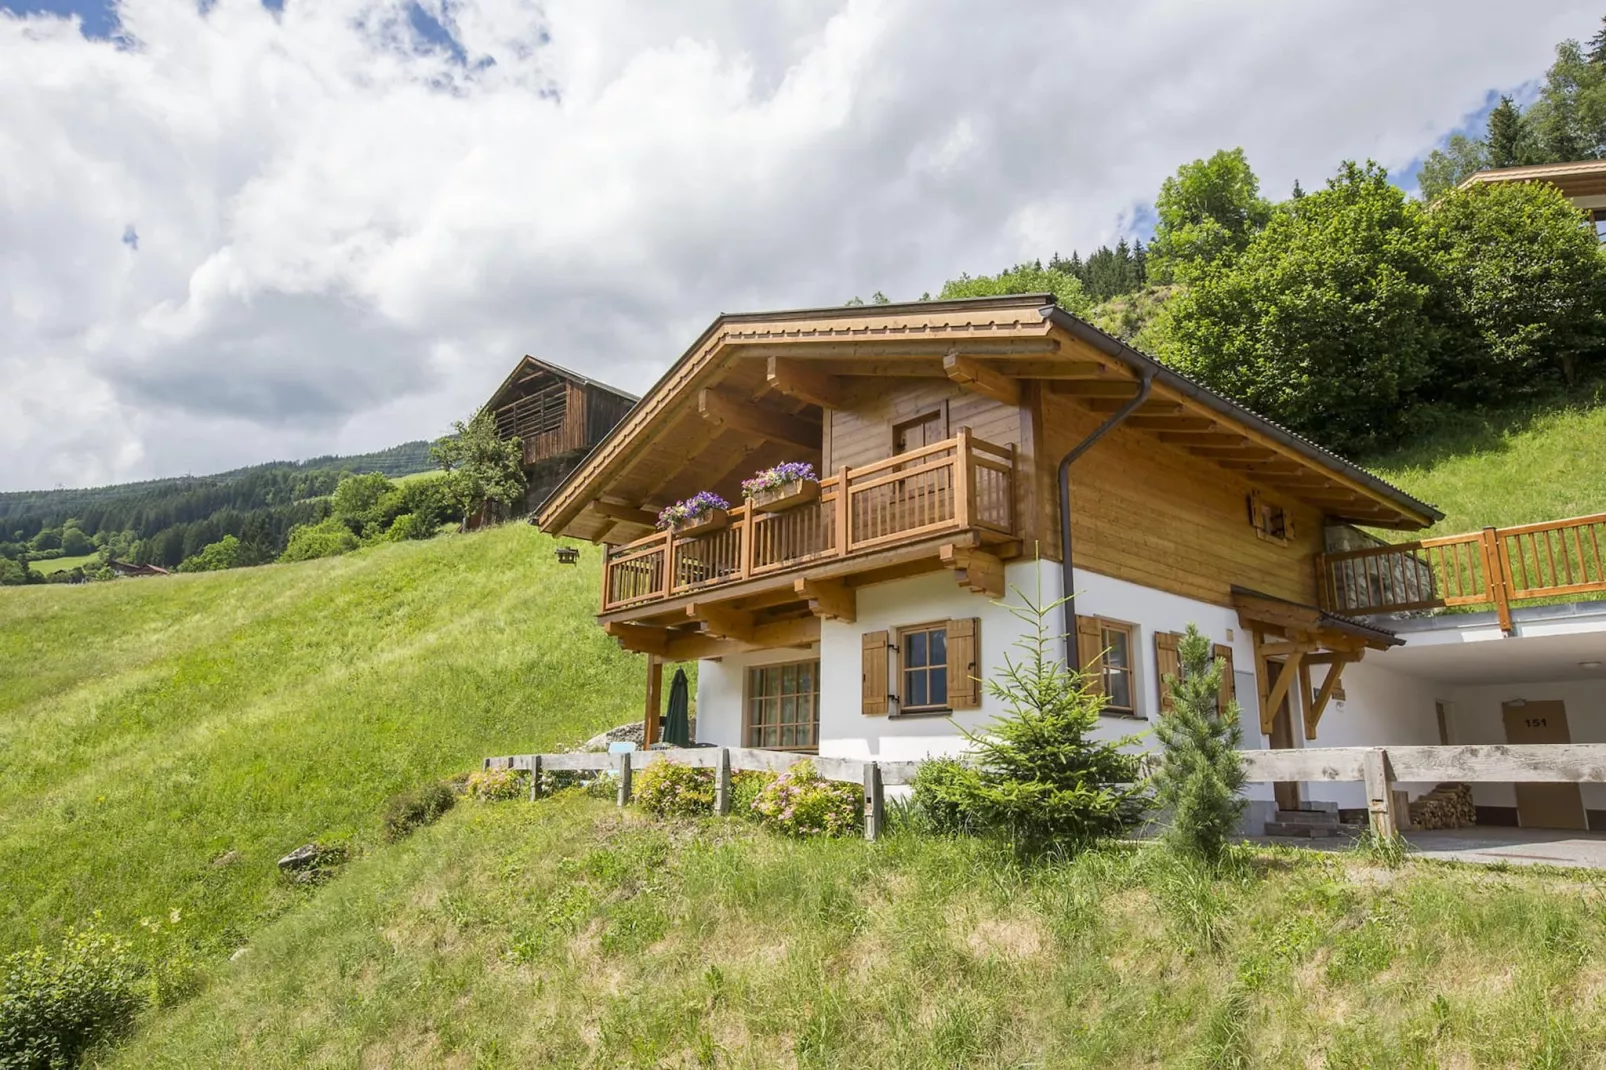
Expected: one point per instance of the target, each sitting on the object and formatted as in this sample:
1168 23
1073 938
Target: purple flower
781 474
703 501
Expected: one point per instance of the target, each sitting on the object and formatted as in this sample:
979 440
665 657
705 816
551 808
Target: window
783 706
1270 521
924 430
924 666
1106 649
1168 662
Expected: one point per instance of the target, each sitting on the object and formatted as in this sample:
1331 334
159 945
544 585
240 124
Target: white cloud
344 242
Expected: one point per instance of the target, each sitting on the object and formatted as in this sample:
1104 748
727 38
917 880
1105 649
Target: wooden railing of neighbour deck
1494 567
959 484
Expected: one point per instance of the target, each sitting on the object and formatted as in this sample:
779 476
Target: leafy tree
1022 279
327 538
1525 286
1208 211
1446 168
74 543
225 553
359 502
1325 321
1568 121
483 470
48 539
1041 780
1200 778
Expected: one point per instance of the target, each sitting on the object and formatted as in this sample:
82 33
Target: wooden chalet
559 415
859 618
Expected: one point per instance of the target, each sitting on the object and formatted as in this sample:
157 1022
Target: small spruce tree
1043 781
1200 778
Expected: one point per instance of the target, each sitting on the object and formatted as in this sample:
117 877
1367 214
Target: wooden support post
844 512
651 721
1379 793
964 481
1497 572
722 783
875 804
624 779
535 778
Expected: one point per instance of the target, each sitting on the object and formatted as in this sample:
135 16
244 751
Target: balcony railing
1491 568
956 485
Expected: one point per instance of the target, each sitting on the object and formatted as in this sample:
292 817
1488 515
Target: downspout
1067 573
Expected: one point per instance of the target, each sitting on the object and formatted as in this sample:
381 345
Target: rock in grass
302 857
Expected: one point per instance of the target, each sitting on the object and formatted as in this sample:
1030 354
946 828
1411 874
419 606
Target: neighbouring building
857 617
1582 182
559 415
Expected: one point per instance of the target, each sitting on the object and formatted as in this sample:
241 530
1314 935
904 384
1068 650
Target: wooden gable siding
1147 512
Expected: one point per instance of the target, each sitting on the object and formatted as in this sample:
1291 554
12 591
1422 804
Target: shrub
1200 778
326 538
669 789
943 793
408 526
413 809
498 785
56 1005
746 786
800 802
1044 783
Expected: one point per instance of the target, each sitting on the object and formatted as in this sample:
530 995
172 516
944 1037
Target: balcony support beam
745 417
829 599
622 511
798 380
975 569
979 379
722 622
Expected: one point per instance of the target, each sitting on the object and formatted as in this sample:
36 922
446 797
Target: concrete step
1308 832
1323 818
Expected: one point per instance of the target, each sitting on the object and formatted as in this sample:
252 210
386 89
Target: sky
241 230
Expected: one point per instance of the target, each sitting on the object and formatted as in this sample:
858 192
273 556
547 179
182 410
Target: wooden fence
1379 768
1493 567
873 775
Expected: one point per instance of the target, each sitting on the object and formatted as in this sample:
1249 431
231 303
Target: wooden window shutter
1167 662
875 673
1090 652
964 663
1229 687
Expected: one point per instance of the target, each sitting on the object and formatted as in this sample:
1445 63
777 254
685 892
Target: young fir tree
1200 778
1043 781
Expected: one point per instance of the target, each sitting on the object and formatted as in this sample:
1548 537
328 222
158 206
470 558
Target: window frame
1133 679
935 414
902 670
1270 519
749 679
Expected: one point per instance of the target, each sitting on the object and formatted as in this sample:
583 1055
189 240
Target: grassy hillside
566 933
163 742
1517 467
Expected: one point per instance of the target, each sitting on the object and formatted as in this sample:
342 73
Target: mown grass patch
163 742
568 933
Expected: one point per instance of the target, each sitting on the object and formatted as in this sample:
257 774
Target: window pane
914 650
938 647
772 737
789 680
914 688
788 736
789 710
1119 686
1115 646
939 686
805 676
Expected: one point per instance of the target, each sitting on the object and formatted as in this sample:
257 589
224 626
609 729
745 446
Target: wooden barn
559 415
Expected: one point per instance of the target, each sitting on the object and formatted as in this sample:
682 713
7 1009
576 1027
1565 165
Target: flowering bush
668 789
746 786
496 785
802 803
702 502
778 476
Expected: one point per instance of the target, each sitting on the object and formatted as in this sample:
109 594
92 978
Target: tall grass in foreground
163 742
567 933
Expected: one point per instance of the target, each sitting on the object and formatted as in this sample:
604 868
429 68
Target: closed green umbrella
677 722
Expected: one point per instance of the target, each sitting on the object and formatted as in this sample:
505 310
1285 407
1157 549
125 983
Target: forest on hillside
1354 313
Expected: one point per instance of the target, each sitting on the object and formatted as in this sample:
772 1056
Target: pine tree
1508 136
1200 779
1597 46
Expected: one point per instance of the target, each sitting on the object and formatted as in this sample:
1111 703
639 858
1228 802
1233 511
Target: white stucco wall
1380 707
1475 717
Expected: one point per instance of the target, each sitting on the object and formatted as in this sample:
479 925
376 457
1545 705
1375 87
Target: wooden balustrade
954 485
1494 567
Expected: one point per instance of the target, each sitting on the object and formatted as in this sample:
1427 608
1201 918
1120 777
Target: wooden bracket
976 570
751 419
1313 712
829 599
980 379
1279 690
639 638
798 380
629 514
722 622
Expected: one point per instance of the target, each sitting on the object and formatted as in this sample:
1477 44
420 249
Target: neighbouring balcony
1492 568
962 484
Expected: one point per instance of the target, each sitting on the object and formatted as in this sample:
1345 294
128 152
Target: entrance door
1282 737
1543 806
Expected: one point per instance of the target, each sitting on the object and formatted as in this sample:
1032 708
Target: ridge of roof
558 369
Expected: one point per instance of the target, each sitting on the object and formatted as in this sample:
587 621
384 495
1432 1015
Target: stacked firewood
1448 806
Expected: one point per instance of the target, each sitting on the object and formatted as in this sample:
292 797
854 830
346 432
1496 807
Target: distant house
1582 182
559 415
128 568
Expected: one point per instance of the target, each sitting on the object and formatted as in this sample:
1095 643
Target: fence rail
955 485
1494 567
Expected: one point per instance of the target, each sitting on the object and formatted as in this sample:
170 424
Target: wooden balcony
962 485
1492 568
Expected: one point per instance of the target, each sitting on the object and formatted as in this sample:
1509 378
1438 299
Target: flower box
788 495
701 524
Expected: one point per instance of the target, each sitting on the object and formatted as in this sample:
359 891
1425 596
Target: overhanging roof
528 363
1580 178
880 336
